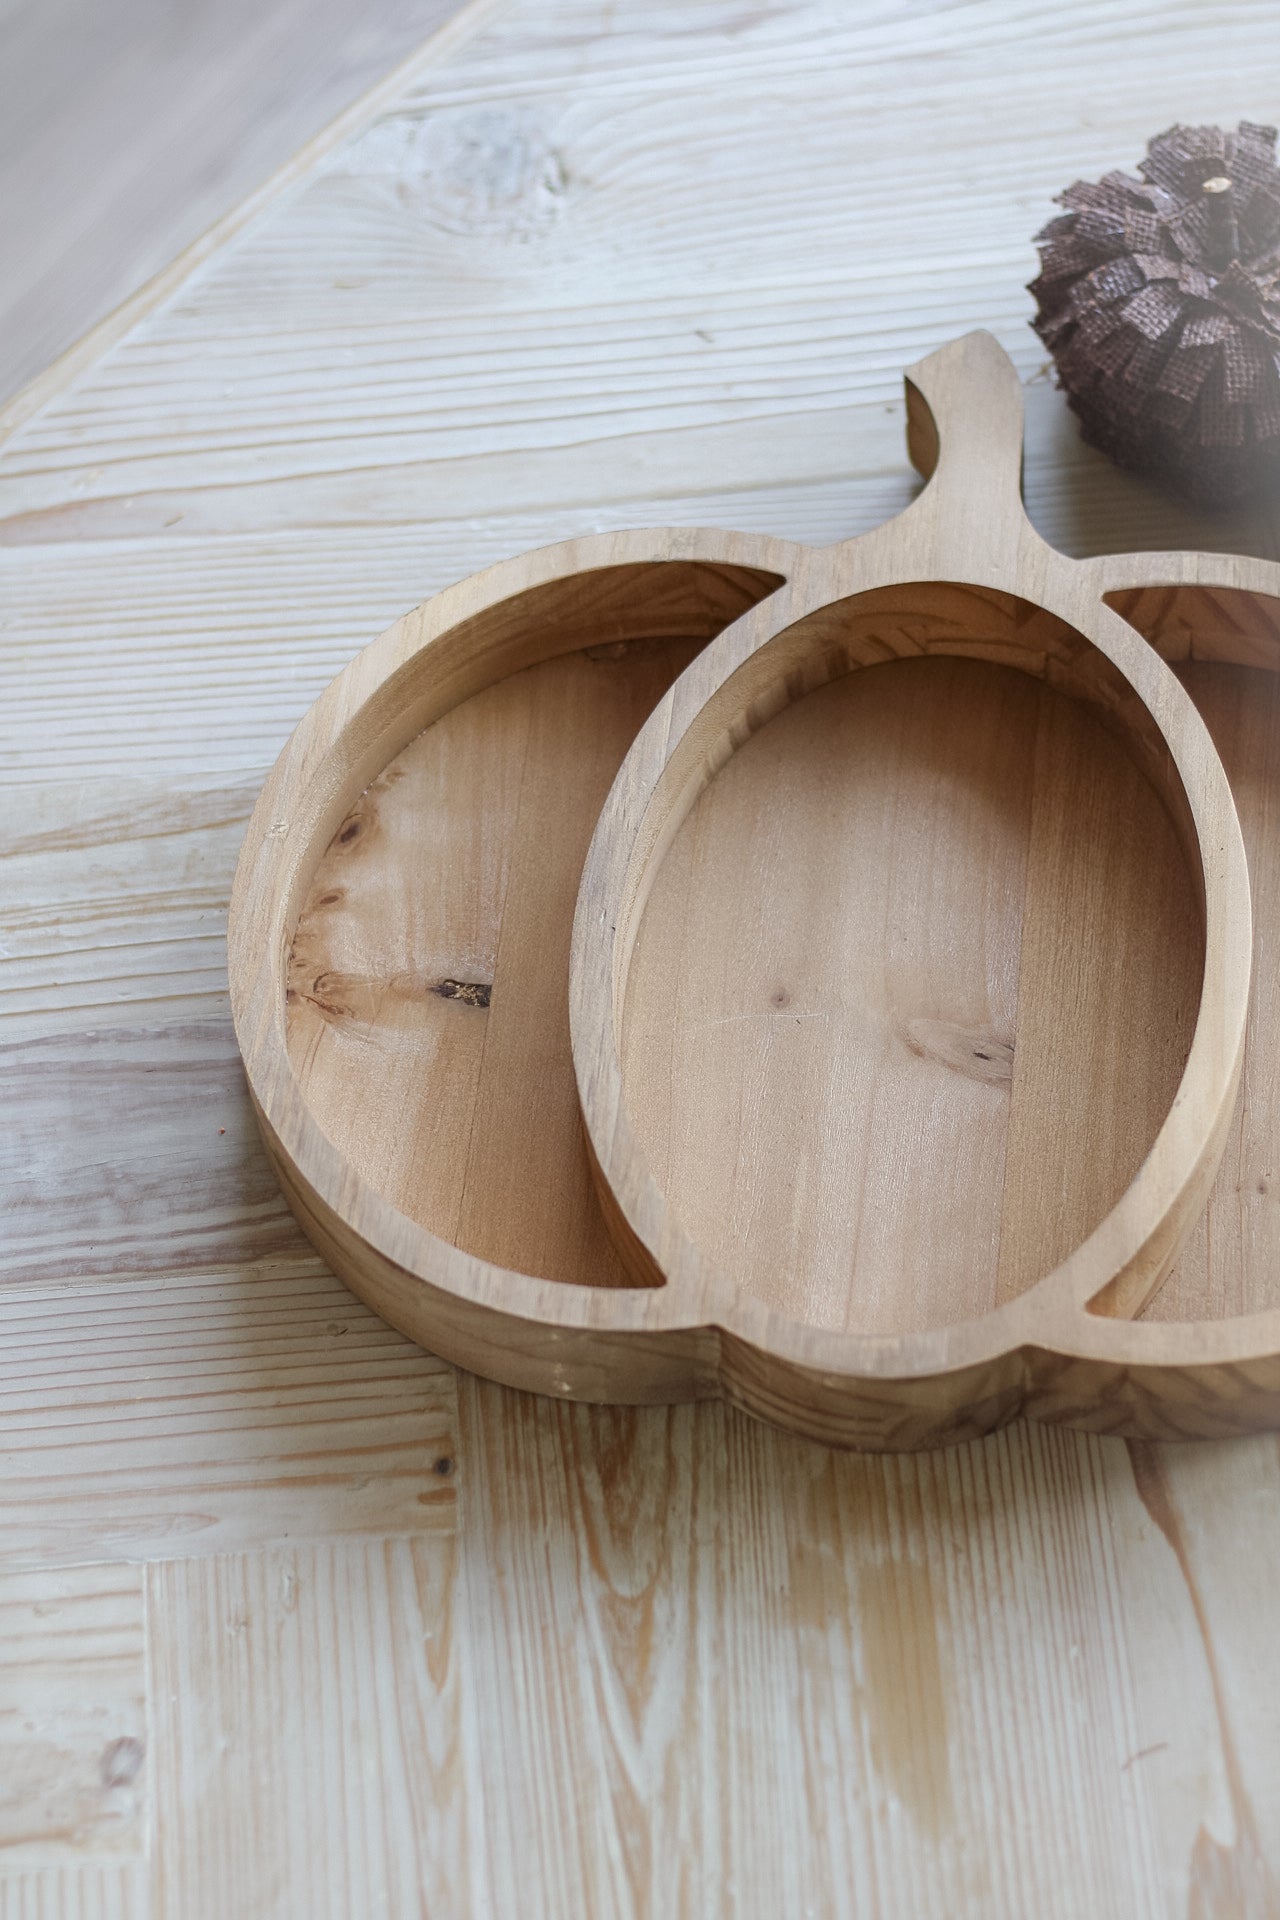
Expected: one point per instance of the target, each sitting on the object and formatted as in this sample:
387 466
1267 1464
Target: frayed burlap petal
1159 298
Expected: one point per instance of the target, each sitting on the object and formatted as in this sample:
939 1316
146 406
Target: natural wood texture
425 1133
73 1728
428 973
348 1652
75 1893
702 1586
1231 1264
129 128
216 1412
323 807
886 888
1101 1703
201 1195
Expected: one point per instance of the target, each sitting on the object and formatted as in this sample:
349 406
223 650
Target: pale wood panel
1216 1511
308 1706
114 905
813 476
198 1414
76 1893
906 44
132 1150
210 650
74 1767
940 1670
273 621
568 480
476 226
128 128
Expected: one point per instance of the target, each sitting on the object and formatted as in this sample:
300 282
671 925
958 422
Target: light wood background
127 126
293 1621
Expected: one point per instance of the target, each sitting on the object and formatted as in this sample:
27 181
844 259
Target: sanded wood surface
378 1627
952 801
423 916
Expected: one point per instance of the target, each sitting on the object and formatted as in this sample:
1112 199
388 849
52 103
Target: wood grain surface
126 128
428 1014
599 267
963 809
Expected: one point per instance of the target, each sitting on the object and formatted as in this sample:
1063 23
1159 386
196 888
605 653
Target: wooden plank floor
293 1620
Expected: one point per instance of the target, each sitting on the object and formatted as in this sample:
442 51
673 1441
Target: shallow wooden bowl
399 936
399 960
909 980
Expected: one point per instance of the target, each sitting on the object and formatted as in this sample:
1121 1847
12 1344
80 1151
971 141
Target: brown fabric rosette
1159 298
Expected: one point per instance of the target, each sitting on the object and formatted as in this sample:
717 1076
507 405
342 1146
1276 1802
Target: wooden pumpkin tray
908 1002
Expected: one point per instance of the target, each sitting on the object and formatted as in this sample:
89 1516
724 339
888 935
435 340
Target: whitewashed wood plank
113 902
308 1707
125 140
76 1893
429 480
524 48
200 1414
1213 1514
132 1150
692 1641
74 1768
207 651
545 274
204 688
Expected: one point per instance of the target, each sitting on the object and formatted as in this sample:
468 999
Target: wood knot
121 1761
978 1054
472 993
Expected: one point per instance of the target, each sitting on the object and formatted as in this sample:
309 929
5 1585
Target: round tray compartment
1016 921
400 930
911 995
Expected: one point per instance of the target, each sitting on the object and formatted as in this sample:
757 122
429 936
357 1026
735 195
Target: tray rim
601 1081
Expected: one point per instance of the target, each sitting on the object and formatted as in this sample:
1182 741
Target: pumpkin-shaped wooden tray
399 947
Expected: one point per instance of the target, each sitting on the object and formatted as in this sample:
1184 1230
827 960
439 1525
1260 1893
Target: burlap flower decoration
1159 299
